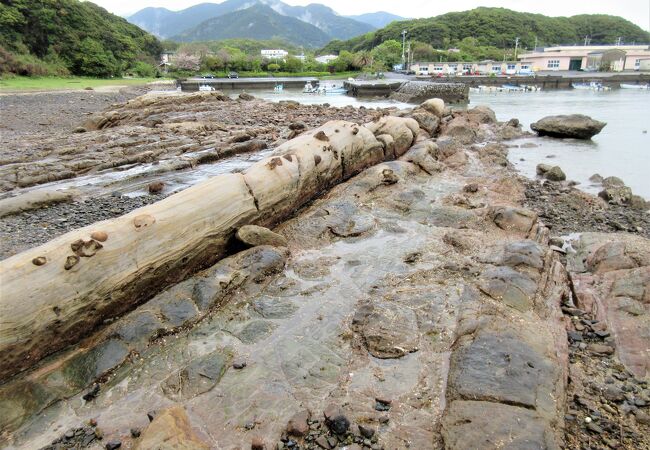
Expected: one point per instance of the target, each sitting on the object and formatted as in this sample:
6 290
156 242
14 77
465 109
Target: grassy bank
63 83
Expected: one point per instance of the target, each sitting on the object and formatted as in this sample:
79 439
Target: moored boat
635 86
592 86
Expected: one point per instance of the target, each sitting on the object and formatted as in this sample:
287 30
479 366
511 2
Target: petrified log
55 294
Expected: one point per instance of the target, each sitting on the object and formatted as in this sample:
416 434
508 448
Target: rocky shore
428 298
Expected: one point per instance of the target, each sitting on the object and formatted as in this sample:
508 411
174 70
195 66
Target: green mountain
498 27
257 22
39 36
377 19
165 23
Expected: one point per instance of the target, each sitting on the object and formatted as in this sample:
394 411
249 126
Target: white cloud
636 11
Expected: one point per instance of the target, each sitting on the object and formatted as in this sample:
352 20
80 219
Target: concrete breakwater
409 91
414 303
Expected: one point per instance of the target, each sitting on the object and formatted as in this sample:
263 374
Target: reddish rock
297 425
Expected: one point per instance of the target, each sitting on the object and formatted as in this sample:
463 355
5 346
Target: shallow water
622 149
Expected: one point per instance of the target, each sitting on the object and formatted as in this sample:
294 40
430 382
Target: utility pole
516 47
404 32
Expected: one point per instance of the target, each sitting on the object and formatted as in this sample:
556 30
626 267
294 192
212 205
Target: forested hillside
497 28
257 22
47 37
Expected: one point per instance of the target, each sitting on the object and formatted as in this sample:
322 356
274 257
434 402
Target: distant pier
545 80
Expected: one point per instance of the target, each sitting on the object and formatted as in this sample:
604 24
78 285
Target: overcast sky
637 11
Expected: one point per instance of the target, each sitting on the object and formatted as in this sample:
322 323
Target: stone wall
419 91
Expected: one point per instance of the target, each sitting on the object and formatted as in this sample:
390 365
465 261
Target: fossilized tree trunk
54 294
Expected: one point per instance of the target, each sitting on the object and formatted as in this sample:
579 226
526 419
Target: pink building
616 57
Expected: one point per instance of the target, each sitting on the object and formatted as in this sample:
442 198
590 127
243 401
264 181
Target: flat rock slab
575 126
388 330
510 287
500 368
486 425
198 377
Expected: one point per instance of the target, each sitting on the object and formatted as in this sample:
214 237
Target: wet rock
171 430
483 425
388 330
555 174
274 308
575 126
346 220
452 217
336 419
198 377
246 97
618 195
526 253
177 311
253 235
138 327
83 369
612 182
510 287
298 425
513 219
255 331
156 187
503 368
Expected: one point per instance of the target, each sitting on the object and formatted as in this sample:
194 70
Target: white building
274 54
472 68
578 57
326 59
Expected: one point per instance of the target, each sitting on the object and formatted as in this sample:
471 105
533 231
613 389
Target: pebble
238 365
257 444
112 445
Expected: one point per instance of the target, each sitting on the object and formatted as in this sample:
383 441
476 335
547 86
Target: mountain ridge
166 23
259 21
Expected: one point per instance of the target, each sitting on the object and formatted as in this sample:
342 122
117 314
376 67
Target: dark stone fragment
574 336
92 393
366 432
114 444
135 432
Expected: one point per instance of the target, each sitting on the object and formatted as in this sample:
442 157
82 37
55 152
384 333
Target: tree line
61 37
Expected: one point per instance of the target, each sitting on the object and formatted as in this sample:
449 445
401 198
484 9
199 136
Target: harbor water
622 149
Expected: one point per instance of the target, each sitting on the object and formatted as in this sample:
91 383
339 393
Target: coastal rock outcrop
575 126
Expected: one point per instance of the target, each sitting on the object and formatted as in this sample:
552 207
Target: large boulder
435 106
575 126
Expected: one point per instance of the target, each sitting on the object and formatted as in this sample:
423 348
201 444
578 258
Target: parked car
233 75
208 76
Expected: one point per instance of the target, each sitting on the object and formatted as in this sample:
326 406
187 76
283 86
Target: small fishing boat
278 88
205 88
645 87
591 86
309 88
